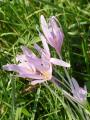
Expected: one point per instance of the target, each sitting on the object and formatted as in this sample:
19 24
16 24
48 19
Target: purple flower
52 32
79 93
39 69
31 66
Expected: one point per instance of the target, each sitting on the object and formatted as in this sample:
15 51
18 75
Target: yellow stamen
46 75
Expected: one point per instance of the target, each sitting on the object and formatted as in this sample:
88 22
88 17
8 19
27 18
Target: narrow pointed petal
38 48
43 22
44 26
45 57
21 68
58 35
85 88
75 88
59 62
75 84
21 58
28 52
25 50
42 52
33 76
45 45
27 67
45 30
34 82
57 30
11 67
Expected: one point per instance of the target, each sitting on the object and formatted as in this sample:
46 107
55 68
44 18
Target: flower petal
28 52
34 82
21 58
45 30
38 48
59 62
85 88
11 67
58 35
45 45
27 67
21 68
33 76
75 85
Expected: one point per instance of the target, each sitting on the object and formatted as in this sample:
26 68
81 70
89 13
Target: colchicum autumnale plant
31 66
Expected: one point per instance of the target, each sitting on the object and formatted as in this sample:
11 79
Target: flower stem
67 75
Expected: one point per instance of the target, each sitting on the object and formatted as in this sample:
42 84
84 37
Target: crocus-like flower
79 93
31 66
52 32
40 68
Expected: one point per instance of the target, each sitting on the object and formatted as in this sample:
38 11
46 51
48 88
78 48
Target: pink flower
39 69
52 32
80 94
31 66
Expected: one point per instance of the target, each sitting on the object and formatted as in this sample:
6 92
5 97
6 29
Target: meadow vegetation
19 24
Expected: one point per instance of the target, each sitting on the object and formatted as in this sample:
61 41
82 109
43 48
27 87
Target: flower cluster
39 69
